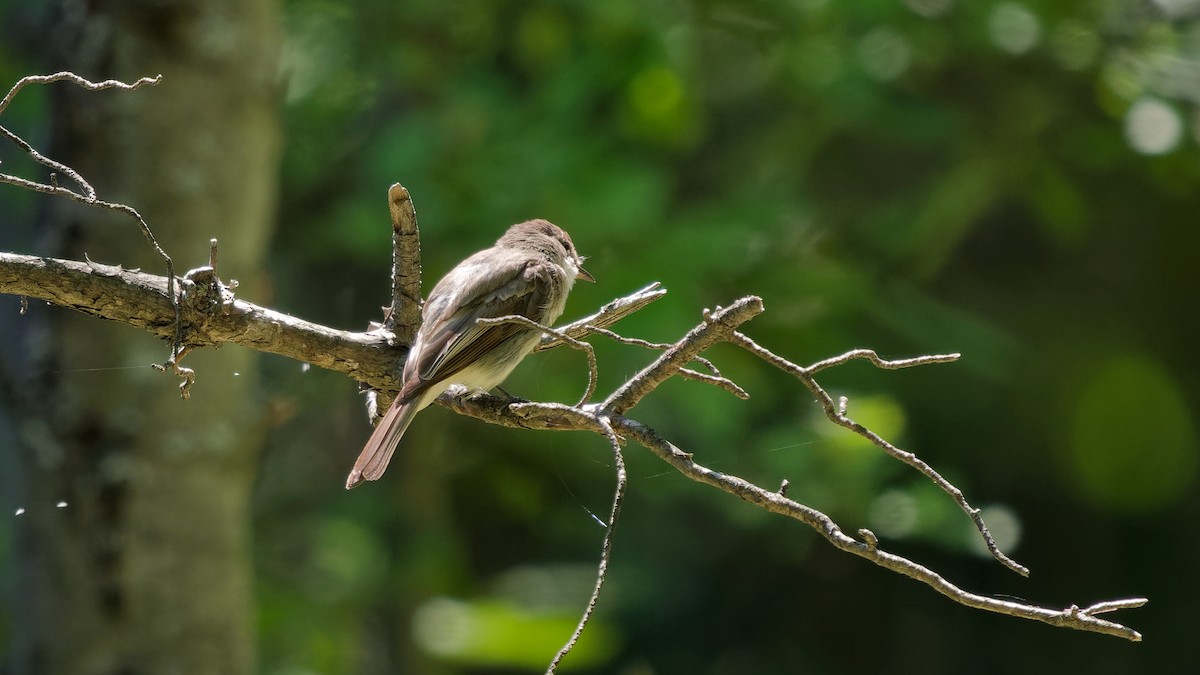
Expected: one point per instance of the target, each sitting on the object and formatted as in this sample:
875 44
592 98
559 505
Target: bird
528 272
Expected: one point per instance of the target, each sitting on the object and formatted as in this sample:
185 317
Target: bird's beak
585 275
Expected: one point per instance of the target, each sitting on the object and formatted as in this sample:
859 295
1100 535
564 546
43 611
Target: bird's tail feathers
374 458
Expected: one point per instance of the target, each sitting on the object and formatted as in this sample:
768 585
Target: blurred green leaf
1133 440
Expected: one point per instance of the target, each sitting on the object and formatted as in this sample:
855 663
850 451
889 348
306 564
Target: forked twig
715 378
836 412
718 326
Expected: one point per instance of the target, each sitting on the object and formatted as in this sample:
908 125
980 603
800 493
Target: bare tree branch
88 193
205 312
140 300
559 417
213 317
837 415
1071 617
722 324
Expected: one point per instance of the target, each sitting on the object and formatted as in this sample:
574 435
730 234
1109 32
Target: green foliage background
914 177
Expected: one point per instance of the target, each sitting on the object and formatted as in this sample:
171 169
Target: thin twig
607 315
177 343
88 194
593 370
74 79
639 342
879 362
716 381
663 346
605 549
718 325
1114 605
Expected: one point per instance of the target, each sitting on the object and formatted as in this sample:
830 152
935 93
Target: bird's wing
450 339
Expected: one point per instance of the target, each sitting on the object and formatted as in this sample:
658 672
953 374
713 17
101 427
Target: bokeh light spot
1132 445
929 8
1177 8
1013 28
1003 523
443 626
884 53
499 635
346 560
893 514
882 414
656 93
543 37
1152 127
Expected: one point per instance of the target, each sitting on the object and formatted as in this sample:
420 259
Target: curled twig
74 79
186 374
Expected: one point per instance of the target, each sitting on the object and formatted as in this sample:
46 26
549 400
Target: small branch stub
404 315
